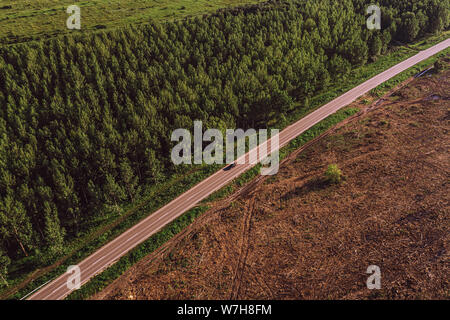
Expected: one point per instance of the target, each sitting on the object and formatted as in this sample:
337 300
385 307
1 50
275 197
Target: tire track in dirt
245 247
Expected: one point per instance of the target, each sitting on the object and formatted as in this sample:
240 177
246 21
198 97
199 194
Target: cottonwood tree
114 193
130 181
15 225
409 27
5 261
54 233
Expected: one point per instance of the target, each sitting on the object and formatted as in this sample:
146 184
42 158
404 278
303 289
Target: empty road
112 251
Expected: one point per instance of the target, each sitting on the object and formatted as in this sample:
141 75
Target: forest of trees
86 119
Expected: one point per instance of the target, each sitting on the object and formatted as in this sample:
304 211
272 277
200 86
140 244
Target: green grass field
23 20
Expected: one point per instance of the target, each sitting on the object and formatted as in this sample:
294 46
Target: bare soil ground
295 236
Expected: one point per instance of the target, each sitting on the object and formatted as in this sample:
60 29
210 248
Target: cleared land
297 237
23 20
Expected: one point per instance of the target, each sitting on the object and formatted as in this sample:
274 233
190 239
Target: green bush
333 174
439 65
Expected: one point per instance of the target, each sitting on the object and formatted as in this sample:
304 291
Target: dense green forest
85 120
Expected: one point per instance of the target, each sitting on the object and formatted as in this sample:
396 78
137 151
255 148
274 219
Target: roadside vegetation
439 66
85 131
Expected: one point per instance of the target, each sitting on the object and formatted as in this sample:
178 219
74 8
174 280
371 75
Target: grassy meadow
24 20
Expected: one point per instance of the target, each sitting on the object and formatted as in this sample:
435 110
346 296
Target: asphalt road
111 252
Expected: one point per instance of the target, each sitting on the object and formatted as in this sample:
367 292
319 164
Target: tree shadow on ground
315 184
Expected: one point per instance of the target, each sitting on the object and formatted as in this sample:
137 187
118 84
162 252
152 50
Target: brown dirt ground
294 236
